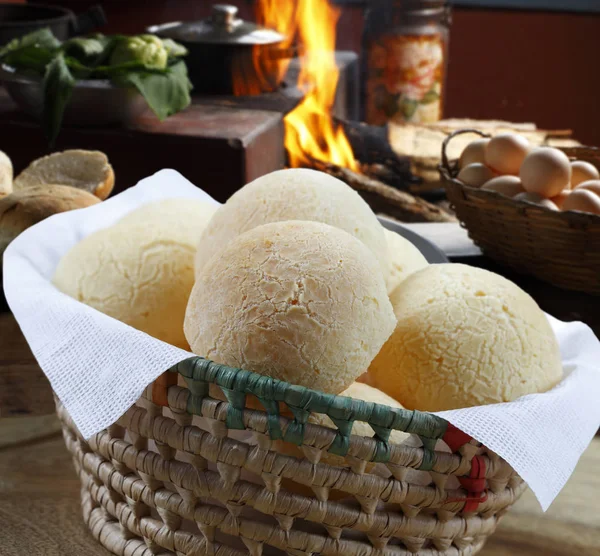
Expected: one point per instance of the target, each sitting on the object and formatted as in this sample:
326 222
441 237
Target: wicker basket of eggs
322 343
536 210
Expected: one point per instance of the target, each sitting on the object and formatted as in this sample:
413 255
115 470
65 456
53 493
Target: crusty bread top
6 174
300 301
87 170
23 209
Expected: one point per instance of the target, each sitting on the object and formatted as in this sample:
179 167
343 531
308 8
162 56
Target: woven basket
562 248
186 474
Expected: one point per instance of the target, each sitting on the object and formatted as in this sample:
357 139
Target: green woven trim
343 411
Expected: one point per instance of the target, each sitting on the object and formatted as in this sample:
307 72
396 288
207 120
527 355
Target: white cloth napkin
99 367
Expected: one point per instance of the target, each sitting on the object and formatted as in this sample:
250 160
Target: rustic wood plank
24 389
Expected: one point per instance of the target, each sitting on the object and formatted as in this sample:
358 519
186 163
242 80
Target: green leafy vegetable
90 50
30 57
58 86
42 38
166 93
32 52
147 49
151 65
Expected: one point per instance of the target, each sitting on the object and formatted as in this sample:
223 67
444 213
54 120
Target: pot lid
222 27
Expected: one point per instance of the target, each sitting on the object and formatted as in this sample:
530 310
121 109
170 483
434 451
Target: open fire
310 132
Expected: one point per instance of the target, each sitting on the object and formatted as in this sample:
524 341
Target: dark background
519 65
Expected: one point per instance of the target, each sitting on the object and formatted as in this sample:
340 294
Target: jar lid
418 5
222 27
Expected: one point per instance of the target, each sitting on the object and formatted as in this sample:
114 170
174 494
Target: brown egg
475 175
545 171
582 171
536 200
591 185
473 152
583 200
507 185
559 199
505 153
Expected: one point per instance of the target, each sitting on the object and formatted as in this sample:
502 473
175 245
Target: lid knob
224 16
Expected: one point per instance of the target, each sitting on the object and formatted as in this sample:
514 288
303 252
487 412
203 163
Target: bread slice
87 170
31 205
6 174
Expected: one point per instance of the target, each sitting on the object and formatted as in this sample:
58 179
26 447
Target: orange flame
309 129
267 70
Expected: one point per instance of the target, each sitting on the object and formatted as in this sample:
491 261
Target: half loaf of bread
86 170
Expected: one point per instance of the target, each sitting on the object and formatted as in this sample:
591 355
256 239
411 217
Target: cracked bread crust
141 270
293 194
465 337
298 301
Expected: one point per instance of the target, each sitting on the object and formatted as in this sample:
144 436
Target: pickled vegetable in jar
404 61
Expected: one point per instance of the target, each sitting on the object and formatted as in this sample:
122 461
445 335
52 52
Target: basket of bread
280 375
535 209
56 183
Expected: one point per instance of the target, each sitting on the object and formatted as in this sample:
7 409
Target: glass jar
404 60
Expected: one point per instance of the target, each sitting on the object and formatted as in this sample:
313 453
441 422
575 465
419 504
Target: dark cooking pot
223 46
17 20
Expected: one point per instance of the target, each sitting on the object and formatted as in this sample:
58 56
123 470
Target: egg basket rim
448 169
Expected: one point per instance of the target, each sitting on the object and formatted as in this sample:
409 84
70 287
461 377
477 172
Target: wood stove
219 143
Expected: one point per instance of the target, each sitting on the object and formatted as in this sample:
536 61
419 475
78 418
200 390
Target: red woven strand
455 438
475 485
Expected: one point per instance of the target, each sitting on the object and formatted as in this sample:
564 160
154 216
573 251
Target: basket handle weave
452 171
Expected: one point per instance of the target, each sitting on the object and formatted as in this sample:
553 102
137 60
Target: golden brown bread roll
86 170
22 209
